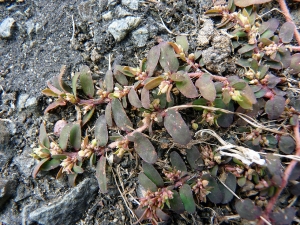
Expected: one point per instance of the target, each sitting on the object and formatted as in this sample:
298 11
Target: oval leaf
75 136
152 59
146 182
86 81
286 32
152 174
186 196
88 116
119 115
38 167
145 98
295 64
247 210
186 87
168 59
101 174
108 116
144 148
50 165
43 137
109 81
286 144
176 127
177 162
153 82
243 3
215 195
134 98
206 87
176 203
101 133
74 83
275 107
183 42
230 183
64 136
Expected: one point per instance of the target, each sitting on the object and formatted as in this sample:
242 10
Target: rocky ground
36 39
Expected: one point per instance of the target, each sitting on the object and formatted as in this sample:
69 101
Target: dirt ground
44 36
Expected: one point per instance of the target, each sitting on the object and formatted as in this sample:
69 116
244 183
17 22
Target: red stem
288 18
285 178
215 77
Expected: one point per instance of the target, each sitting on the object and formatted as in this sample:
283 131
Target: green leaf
230 183
206 87
153 82
92 159
59 156
64 136
77 169
186 87
275 107
176 127
88 116
75 136
186 196
74 83
49 92
216 195
38 167
43 137
134 98
101 174
152 174
152 59
224 119
101 132
50 165
109 81
247 210
146 182
176 203
177 162
119 115
246 48
286 32
86 81
168 59
241 181
183 42
286 144
144 148
108 115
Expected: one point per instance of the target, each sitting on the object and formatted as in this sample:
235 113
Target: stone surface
140 36
68 209
22 101
121 12
7 190
107 16
25 162
31 102
132 4
206 32
6 27
120 28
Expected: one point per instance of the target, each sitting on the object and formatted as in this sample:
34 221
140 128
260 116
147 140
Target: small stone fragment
22 101
205 34
6 27
140 36
120 28
31 102
122 12
107 16
95 56
131 4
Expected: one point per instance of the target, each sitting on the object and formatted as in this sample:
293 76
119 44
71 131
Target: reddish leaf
53 105
152 59
134 98
38 167
286 216
275 107
206 87
59 125
109 81
75 136
152 174
108 114
186 87
146 182
119 115
86 81
286 144
168 59
101 174
286 32
43 137
144 148
176 127
193 157
121 78
145 98
101 133
177 162
247 210
186 196
243 3
295 64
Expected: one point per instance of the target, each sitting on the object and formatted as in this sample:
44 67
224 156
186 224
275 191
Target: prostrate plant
137 100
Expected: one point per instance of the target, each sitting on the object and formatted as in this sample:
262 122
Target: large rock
70 208
7 190
6 27
120 28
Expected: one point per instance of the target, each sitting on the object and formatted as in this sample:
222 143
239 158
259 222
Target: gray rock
121 12
206 32
5 150
6 27
120 28
89 10
107 16
29 27
31 102
111 2
22 101
7 190
25 162
131 4
140 36
70 208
